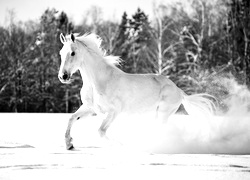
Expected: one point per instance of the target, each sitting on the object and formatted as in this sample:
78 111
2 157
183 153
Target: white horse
107 89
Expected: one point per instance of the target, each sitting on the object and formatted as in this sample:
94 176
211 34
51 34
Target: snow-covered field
181 134
32 147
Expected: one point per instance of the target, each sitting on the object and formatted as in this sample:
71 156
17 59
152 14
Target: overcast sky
112 9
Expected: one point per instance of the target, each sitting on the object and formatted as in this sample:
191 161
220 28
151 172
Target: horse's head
70 59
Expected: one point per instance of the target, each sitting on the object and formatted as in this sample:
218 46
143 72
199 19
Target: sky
75 9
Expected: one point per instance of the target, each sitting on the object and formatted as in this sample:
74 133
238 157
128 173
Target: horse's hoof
70 147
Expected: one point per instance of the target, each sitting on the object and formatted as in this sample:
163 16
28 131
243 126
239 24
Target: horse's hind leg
80 113
163 112
171 99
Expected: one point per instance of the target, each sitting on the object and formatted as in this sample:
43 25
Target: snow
180 134
109 163
32 147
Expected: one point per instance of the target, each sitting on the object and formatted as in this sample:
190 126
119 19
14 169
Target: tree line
190 46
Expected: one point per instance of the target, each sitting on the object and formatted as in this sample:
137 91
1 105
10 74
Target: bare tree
162 24
93 16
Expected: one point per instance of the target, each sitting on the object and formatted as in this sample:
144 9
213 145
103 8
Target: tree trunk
159 45
246 40
67 101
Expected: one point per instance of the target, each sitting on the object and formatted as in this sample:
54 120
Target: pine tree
63 24
121 42
139 39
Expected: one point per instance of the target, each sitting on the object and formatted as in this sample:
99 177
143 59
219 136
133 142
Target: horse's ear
62 38
72 37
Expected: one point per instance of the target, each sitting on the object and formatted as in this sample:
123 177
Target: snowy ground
32 147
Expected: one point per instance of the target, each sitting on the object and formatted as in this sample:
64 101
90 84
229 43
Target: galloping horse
107 89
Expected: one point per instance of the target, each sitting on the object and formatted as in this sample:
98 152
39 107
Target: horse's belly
141 94
141 104
140 109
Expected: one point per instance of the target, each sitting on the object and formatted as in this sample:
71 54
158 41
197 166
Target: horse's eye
72 53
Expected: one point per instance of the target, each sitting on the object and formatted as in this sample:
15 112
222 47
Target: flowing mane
93 44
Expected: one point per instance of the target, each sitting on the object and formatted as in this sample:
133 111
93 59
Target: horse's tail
199 104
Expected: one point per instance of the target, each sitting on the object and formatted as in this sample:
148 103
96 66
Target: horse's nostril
65 76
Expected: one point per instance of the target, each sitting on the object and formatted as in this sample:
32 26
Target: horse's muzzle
64 78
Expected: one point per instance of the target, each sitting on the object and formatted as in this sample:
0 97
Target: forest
193 47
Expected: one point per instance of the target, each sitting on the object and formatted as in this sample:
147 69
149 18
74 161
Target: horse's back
144 92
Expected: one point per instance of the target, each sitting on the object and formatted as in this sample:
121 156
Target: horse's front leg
80 113
106 123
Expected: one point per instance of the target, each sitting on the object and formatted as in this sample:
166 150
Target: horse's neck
95 72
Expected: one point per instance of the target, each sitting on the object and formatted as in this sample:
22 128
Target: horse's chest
101 102
97 99
94 99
